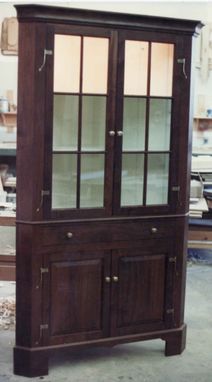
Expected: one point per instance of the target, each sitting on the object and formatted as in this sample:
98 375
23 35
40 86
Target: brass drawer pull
119 133
107 279
112 133
69 235
154 230
115 279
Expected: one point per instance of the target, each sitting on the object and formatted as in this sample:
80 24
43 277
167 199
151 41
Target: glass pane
157 179
161 69
159 124
64 181
134 123
132 179
93 122
92 180
67 63
136 67
95 65
65 122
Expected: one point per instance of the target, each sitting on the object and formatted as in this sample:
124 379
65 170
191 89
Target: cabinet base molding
176 342
33 362
30 363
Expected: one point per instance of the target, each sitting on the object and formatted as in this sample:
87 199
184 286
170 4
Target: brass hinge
170 311
42 194
173 260
182 61
42 327
42 271
176 188
46 52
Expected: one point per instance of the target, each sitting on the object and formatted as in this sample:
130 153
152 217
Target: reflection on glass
159 124
64 180
66 63
134 123
65 122
161 69
93 122
136 67
132 179
92 180
95 65
157 179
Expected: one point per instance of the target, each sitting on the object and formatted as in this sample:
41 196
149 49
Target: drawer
143 230
74 234
93 232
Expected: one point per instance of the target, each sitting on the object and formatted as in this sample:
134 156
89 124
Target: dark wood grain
66 292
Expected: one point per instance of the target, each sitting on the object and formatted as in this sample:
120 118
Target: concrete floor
137 362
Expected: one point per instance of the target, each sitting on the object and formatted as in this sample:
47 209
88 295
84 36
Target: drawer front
93 232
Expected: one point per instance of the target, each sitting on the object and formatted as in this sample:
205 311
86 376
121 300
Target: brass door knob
107 279
69 235
111 133
115 279
119 133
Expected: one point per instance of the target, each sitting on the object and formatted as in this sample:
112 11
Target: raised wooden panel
140 295
76 291
77 296
141 289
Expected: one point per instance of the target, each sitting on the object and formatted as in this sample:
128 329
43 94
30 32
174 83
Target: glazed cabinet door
142 290
147 122
76 296
80 120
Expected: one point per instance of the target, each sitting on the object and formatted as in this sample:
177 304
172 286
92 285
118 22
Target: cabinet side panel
23 285
30 115
28 287
182 136
180 279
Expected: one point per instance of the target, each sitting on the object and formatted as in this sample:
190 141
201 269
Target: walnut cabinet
103 162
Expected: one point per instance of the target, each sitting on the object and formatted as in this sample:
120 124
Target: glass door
80 118
144 123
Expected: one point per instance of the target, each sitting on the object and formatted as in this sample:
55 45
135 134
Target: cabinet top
43 13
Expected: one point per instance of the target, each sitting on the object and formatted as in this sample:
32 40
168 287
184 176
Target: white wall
8 65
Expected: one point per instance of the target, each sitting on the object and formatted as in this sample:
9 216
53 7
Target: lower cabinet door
76 296
142 290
